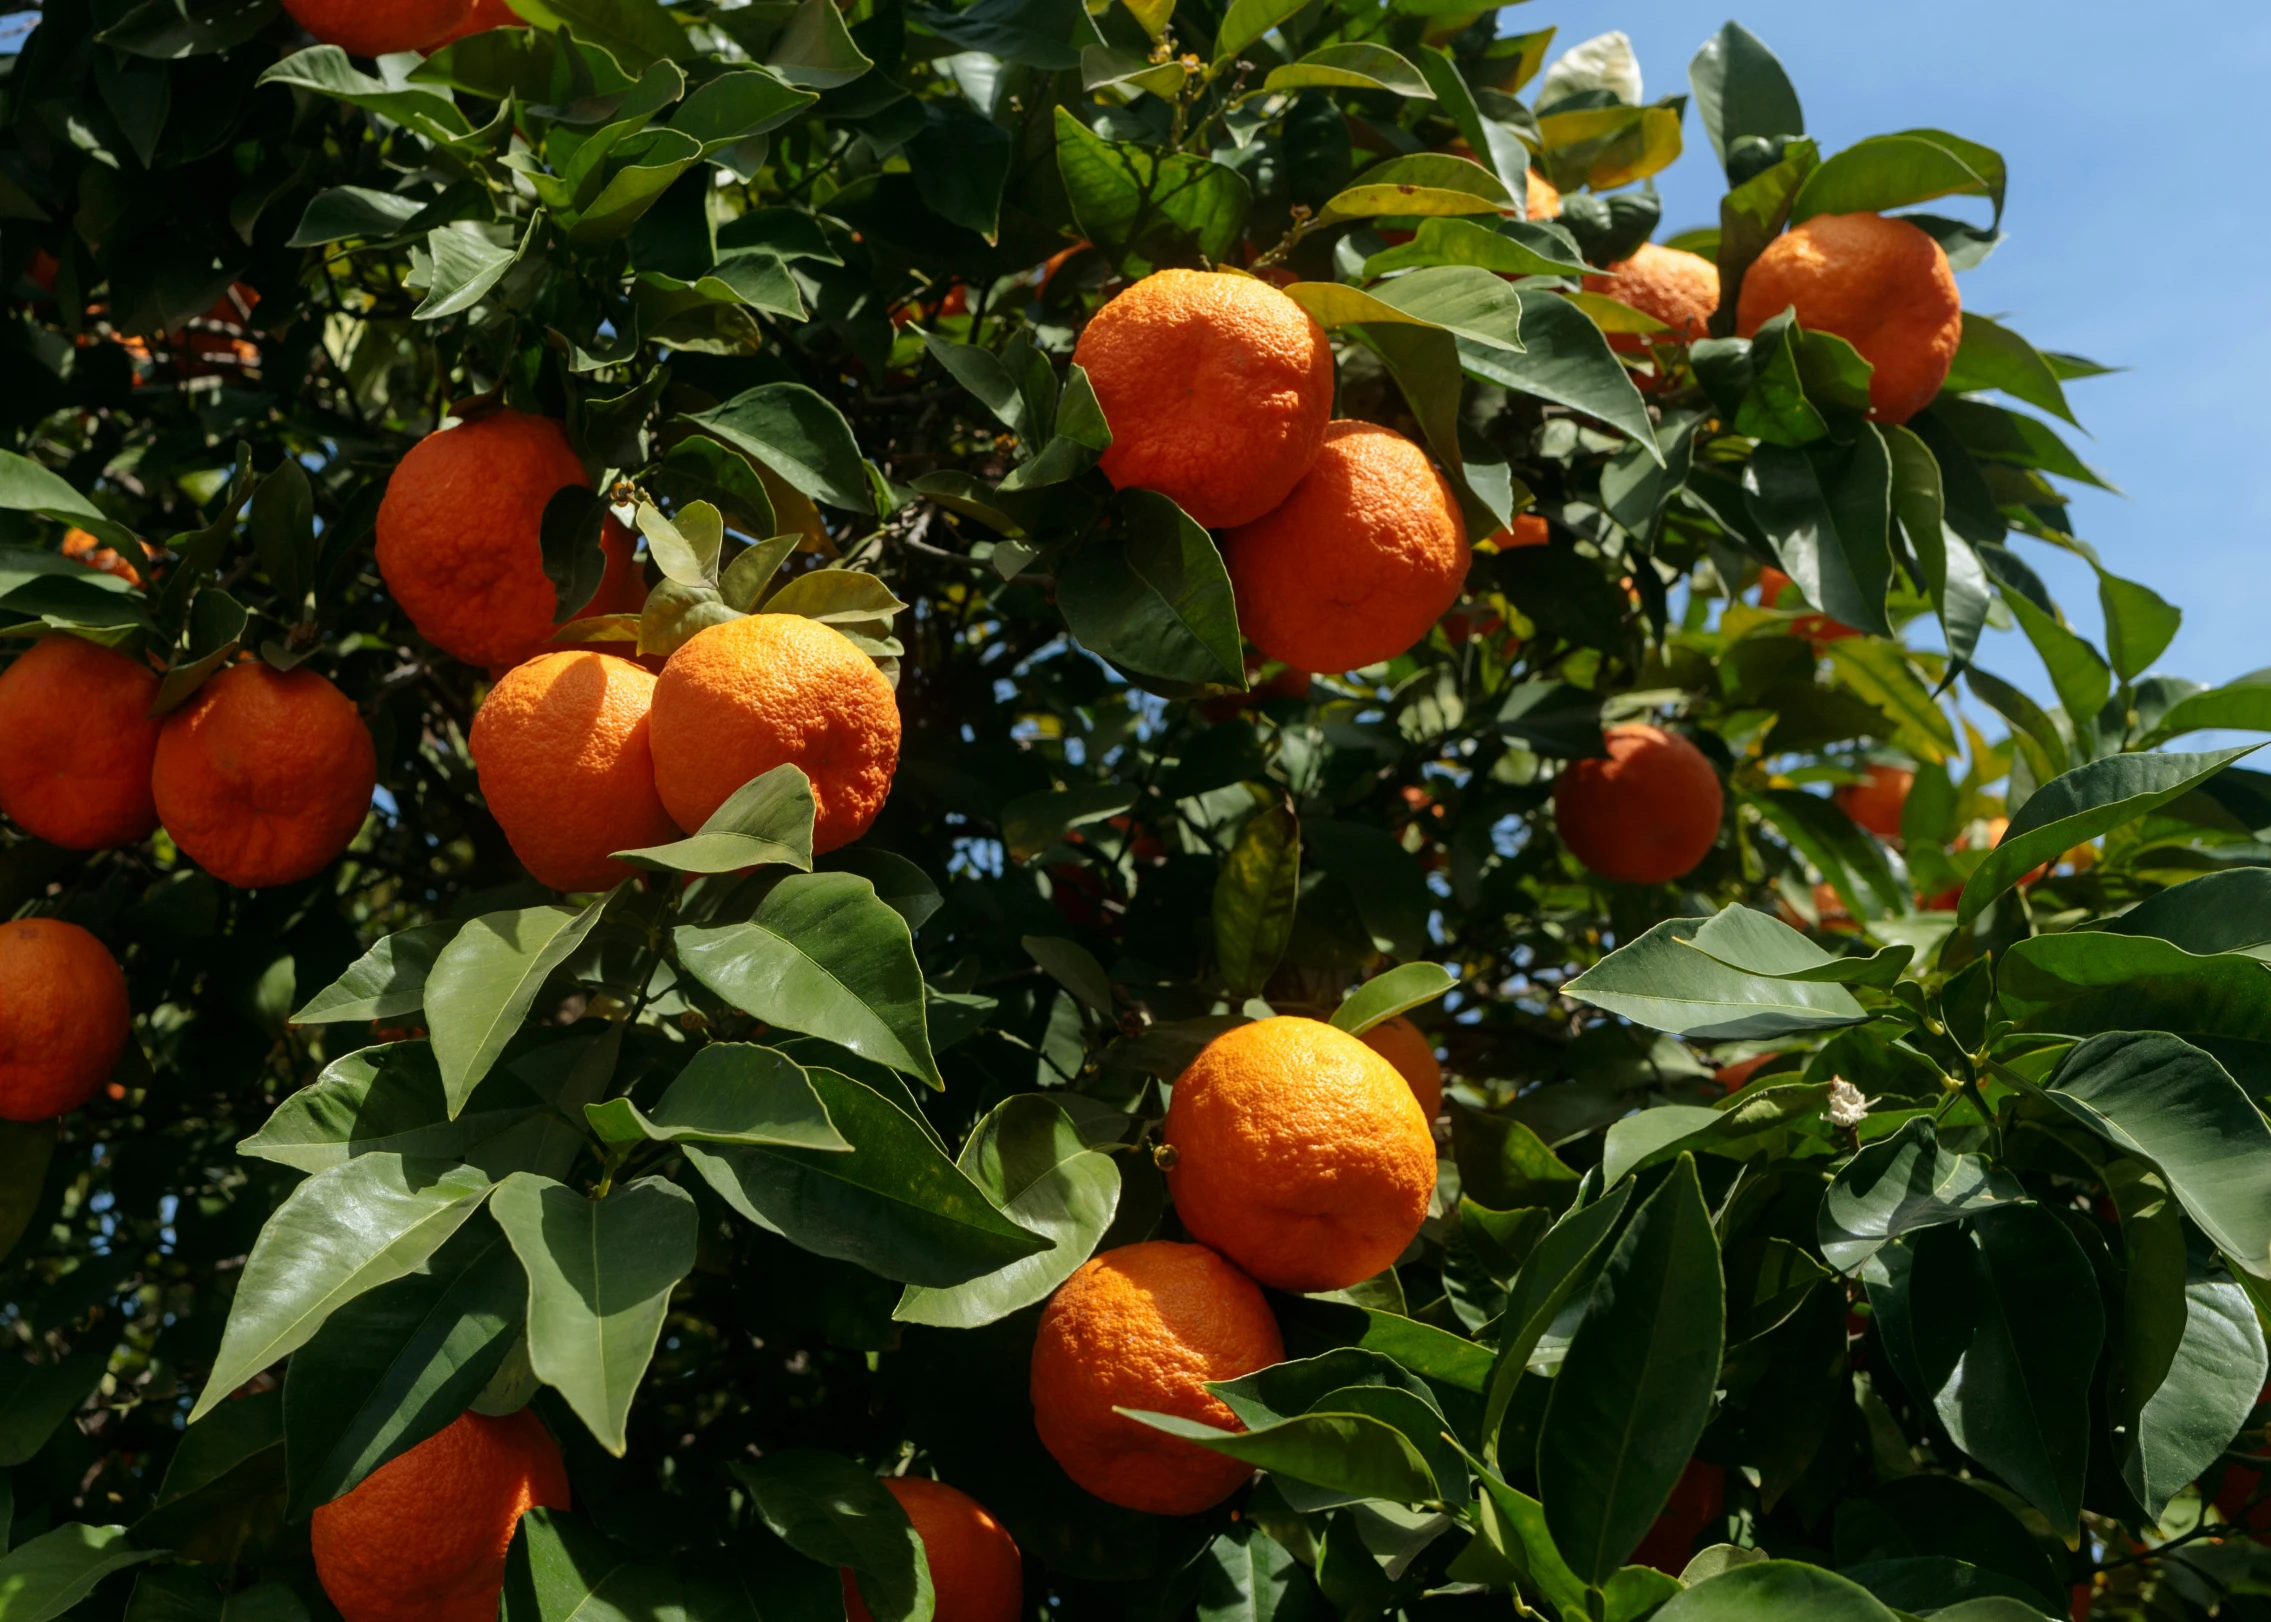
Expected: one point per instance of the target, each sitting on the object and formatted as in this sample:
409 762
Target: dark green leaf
1900 1185
1826 511
800 436
1153 597
485 981
387 981
1146 208
833 1511
1741 90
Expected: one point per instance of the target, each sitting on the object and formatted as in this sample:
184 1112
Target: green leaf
836 597
398 1365
2139 624
466 265
51 1573
767 820
600 1273
800 436
1354 65
170 30
1145 208
36 1398
1507 248
2165 1099
327 71
2243 705
25 486
2081 984
1887 172
1030 1159
1504 1164
2218 912
1854 864
1248 1576
1953 575
699 468
1992 356
1351 1454
636 33
2077 673
1464 300
1902 1185
2085 802
1254 898
1636 1387
387 981
224 1487
1775 1588
384 1100
1405 200
485 981
831 1510
25 1150
1247 21
342 1232
564 1569
1031 823
822 954
1154 598
734 1093
816 50
1661 982
1385 996
1826 510
1566 359
1741 90
895 1205
2034 734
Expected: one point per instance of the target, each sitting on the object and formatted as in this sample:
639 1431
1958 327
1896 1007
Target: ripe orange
460 539
85 548
561 745
1876 805
975 1570
770 690
1528 529
1300 1153
264 777
1146 1326
1645 815
1882 285
1815 628
423 1538
64 1019
1357 563
1406 1046
1679 289
377 27
1734 1077
1698 1499
1541 199
485 15
75 768
1217 389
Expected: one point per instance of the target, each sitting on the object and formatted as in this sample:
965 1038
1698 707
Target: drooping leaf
387 981
767 819
1662 982
1146 208
485 981
831 1510
1154 598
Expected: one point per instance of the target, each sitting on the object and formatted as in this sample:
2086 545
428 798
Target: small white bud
1847 1108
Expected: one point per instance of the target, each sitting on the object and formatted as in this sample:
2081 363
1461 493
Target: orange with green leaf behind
64 1017
1216 387
975 1572
265 776
1647 813
1406 1046
80 739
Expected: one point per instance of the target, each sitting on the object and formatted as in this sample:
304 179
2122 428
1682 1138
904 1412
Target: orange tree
1851 1191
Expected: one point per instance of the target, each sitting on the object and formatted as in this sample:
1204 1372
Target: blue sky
2135 237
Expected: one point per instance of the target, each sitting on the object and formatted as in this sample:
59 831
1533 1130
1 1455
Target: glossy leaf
49 1574
799 436
1741 90
485 981
831 1510
384 1100
766 820
1351 1454
1775 1588
565 1569
1385 996
387 981
1145 208
1661 981
1900 1185
1154 597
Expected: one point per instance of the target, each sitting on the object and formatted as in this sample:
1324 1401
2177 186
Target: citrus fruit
1146 1326
1882 285
1815 628
1646 814
81 547
1734 1077
771 690
1528 529
1541 198
460 539
1678 288
1358 562
1698 1499
561 746
1217 389
1406 1046
1876 805
484 15
1300 1154
975 1571
377 27
75 768
423 1537
64 1020
264 776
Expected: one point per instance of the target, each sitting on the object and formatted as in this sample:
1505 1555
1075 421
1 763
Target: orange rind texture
1406 1046
1678 288
76 744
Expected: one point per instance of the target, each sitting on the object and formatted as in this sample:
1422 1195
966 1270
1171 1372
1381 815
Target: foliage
752 1172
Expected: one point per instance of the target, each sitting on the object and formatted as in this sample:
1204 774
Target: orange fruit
1217 389
423 1537
1876 805
1734 1077
1356 564
485 15
377 27
75 769
64 1020
1882 285
264 776
1645 815
1528 529
1300 1153
1541 198
975 1570
1678 288
561 746
460 539
769 690
1698 1499
1406 1046
1146 1326
1817 628
82 547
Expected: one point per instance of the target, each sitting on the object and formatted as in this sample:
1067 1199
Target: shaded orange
1815 628
1882 285
975 1571
64 1017
378 27
1678 288
82 547
1698 1498
1541 199
1732 1077
423 1537
1645 815
1528 529
1146 1326
265 776
1217 389
771 690
1406 1046
561 747
1358 562
460 537
78 743
485 15
1300 1154
1876 805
